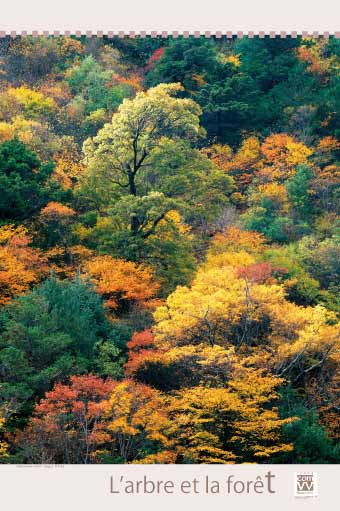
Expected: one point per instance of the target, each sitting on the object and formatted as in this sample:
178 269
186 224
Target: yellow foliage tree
33 103
3 445
236 302
227 424
234 239
136 414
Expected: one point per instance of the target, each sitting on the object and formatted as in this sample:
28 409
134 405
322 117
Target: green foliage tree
91 84
146 161
310 439
48 334
299 194
182 60
266 219
25 183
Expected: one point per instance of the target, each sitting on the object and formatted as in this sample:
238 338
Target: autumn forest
169 250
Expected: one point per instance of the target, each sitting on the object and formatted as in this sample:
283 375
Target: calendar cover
169 256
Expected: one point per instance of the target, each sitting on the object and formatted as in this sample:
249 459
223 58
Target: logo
305 484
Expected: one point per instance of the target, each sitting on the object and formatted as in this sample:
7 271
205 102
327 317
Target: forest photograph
169 250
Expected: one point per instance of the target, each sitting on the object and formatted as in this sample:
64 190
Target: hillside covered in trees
169 250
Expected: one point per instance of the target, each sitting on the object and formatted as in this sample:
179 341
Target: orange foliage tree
66 425
122 283
274 160
20 265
